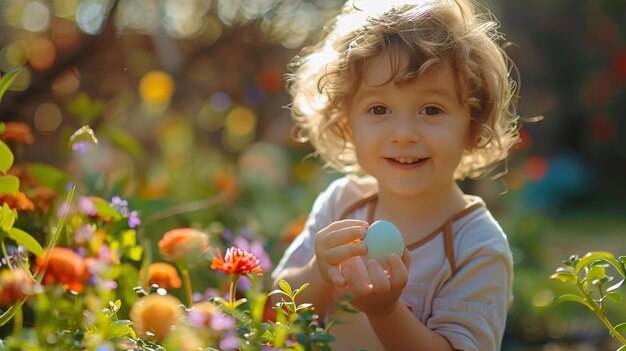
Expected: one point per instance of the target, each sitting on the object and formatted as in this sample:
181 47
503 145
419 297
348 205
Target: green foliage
589 275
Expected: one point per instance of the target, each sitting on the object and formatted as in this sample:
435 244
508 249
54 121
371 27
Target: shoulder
479 233
344 191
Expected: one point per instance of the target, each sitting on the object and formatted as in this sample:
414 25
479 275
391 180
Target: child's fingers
357 279
342 232
398 273
378 277
336 277
341 253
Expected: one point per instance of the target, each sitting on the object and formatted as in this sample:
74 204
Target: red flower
236 261
64 267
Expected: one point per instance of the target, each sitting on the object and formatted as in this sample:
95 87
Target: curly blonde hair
433 32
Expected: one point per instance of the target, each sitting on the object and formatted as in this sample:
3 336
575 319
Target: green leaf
23 238
569 298
8 216
277 291
122 139
50 176
119 328
7 80
6 157
565 276
615 296
593 256
9 184
284 286
104 209
300 289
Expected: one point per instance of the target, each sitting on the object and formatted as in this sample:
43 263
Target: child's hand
379 291
337 243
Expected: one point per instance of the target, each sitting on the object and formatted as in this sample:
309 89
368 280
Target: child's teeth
406 160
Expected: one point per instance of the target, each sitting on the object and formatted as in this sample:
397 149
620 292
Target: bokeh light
41 54
67 82
241 121
36 16
48 117
156 87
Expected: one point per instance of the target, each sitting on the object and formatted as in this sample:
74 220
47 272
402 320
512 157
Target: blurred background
187 100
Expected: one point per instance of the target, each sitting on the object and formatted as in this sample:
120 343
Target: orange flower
155 314
236 261
183 243
17 131
64 267
226 182
293 229
164 275
43 197
15 285
19 201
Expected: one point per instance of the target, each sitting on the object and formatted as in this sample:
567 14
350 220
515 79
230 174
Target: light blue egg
383 238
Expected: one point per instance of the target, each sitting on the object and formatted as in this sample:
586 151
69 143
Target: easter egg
383 238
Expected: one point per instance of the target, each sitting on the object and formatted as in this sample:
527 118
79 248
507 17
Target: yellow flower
183 243
155 315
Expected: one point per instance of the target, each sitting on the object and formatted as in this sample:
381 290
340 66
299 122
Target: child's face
409 137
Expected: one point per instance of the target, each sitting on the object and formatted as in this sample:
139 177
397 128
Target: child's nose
405 130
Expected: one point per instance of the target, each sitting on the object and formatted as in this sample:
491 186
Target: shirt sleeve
470 309
302 249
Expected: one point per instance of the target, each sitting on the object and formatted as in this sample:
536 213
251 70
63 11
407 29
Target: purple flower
84 233
221 321
257 249
230 342
82 147
133 219
86 206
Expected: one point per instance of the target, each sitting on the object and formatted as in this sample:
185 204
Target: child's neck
418 216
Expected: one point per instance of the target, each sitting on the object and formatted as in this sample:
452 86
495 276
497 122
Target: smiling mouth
406 160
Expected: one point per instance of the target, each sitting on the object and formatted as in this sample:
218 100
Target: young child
407 98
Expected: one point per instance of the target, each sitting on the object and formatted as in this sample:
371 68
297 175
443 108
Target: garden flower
15 285
183 243
19 201
17 131
164 275
155 314
64 266
201 314
236 261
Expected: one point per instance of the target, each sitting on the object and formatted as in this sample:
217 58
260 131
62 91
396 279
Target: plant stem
600 314
18 319
55 237
333 320
187 285
6 255
233 288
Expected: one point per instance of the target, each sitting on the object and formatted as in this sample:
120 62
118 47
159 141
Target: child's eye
431 111
378 110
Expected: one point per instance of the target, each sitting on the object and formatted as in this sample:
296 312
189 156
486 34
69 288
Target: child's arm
377 295
333 245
